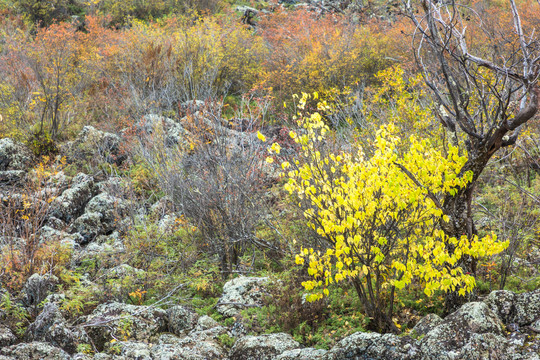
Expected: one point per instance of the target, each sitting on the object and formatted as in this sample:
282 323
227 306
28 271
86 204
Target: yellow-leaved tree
379 217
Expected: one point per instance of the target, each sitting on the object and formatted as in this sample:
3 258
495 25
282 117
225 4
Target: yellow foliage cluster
380 214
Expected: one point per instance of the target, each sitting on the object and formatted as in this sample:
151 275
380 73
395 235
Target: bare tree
219 185
485 93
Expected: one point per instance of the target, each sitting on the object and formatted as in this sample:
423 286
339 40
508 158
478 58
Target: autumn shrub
24 213
379 215
318 54
43 77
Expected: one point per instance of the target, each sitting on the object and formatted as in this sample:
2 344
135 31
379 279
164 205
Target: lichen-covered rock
111 208
6 336
263 347
456 332
51 327
172 347
373 346
100 217
527 307
426 324
95 144
37 287
70 204
123 320
239 293
521 309
14 155
205 322
476 317
72 241
155 128
122 271
89 226
302 354
181 319
501 302
34 350
12 177
131 350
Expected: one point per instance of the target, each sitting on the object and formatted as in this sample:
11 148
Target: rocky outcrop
92 143
154 127
14 156
302 354
263 347
34 350
37 287
426 324
373 346
240 293
71 203
51 327
6 336
181 319
461 330
123 321
517 309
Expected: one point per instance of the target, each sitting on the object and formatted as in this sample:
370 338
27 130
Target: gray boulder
302 354
159 128
70 204
12 177
188 347
123 321
100 217
111 209
181 319
51 327
89 226
34 350
373 346
520 309
263 347
6 336
92 143
14 155
205 322
37 287
459 330
239 293
426 324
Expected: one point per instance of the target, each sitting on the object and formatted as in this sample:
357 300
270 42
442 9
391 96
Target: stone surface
459 329
263 347
302 354
12 177
181 319
117 320
373 346
426 324
70 204
14 155
37 287
35 351
521 309
92 143
6 336
239 293
51 327
89 226
155 128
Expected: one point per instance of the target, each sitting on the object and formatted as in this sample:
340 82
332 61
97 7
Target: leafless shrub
219 183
